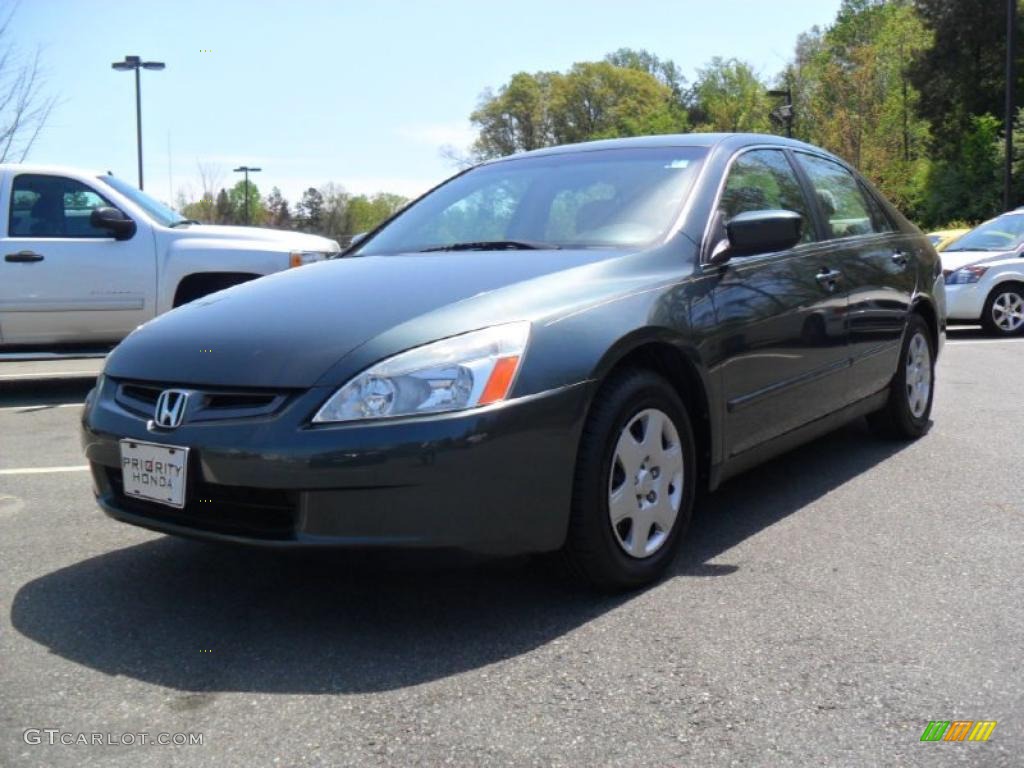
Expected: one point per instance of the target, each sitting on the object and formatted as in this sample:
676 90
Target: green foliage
365 213
593 100
730 97
236 201
966 186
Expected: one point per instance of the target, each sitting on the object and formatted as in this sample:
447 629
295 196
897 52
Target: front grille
251 512
207 403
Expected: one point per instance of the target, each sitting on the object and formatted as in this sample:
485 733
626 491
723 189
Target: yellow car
943 238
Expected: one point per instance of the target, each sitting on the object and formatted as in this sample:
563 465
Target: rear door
781 316
61 279
878 264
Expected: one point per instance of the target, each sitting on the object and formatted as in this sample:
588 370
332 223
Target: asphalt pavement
825 607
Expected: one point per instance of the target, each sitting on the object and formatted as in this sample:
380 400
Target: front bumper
495 480
965 302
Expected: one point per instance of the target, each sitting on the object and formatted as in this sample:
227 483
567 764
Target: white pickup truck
87 257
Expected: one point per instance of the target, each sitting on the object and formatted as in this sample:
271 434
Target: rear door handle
24 256
828 278
900 258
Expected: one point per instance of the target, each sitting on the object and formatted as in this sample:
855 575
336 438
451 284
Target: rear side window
844 206
53 206
763 180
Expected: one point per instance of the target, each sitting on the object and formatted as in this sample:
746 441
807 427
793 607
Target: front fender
186 257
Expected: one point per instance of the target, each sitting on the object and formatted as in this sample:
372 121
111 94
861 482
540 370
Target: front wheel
907 413
1003 314
634 483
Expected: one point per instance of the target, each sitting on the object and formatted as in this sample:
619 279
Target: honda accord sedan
553 351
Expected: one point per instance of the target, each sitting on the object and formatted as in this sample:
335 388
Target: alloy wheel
1008 311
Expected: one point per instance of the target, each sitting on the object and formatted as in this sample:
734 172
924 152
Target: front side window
763 180
843 206
53 206
615 198
160 212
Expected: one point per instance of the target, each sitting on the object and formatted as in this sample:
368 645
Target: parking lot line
42 470
972 342
47 375
44 407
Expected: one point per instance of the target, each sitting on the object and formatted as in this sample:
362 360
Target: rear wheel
634 484
1003 314
907 412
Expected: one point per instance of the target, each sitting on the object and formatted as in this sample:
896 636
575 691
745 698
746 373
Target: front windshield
615 198
156 209
1004 233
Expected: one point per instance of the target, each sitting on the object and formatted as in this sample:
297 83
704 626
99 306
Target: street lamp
784 112
136 63
1011 76
246 170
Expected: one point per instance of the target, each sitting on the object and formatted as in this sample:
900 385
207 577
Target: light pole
247 170
136 63
1011 53
784 111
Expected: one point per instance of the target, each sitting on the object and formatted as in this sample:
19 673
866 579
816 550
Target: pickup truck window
53 206
168 217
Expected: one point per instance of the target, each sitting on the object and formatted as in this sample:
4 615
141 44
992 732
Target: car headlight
965 275
453 374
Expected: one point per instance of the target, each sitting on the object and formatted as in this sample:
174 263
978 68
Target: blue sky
358 93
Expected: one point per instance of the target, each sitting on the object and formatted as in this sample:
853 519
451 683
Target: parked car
944 238
88 257
551 351
984 272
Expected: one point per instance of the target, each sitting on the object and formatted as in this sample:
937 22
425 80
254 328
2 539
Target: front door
783 343
61 279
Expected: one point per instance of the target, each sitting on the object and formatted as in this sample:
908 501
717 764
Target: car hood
288 329
287 239
953 260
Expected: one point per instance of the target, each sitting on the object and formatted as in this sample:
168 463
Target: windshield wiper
495 245
179 222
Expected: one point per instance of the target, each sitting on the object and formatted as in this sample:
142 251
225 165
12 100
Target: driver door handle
24 256
828 278
900 258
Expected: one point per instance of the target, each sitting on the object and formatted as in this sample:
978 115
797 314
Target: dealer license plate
154 472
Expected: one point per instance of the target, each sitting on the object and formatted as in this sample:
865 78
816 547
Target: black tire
592 549
988 321
896 420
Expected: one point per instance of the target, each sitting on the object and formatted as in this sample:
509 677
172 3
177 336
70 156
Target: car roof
728 140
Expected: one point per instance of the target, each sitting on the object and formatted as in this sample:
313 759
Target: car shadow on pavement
203 618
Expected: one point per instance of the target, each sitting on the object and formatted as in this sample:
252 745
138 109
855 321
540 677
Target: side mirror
754 232
114 221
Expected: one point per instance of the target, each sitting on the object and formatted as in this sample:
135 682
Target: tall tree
853 94
278 213
237 197
593 100
24 104
224 212
310 209
731 97
962 75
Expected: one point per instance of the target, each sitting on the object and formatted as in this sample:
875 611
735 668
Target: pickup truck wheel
196 286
